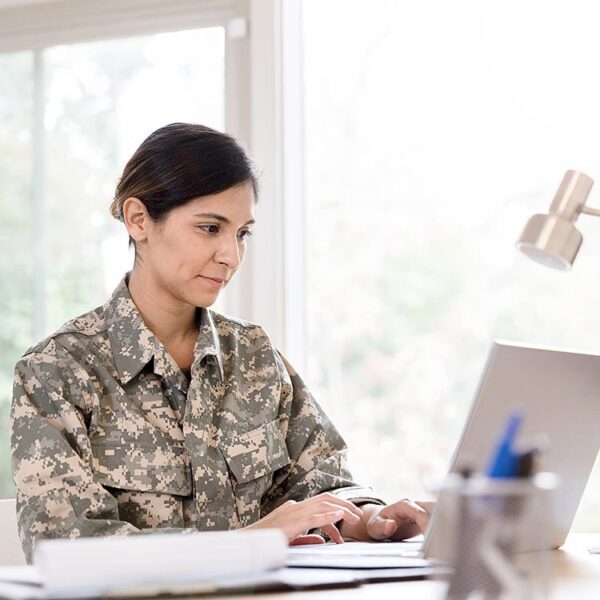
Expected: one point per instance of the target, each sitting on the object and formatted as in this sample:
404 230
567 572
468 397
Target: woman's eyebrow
221 218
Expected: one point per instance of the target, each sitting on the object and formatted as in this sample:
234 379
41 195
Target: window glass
16 222
101 100
433 131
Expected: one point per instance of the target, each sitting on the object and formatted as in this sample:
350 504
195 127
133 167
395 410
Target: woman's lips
214 281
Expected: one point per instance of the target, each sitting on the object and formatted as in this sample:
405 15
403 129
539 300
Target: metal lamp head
553 240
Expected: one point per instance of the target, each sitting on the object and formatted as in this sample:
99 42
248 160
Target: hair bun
116 208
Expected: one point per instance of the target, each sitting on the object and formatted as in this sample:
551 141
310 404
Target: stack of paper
144 565
367 561
358 555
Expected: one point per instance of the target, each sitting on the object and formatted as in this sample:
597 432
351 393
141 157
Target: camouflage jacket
109 437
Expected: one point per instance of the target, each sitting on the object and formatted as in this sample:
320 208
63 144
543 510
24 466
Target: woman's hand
322 511
397 521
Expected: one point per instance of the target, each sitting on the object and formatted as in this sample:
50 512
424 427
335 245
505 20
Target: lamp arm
590 211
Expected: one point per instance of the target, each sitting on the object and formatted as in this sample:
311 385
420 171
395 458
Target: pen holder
492 531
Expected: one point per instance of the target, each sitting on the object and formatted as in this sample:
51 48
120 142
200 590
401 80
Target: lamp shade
551 241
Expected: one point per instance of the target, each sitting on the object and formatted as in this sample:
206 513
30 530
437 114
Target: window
433 131
72 116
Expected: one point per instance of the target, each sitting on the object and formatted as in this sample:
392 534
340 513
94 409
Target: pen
505 462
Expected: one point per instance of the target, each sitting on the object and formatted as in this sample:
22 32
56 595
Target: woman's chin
202 300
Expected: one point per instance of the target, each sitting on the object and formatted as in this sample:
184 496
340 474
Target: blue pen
504 462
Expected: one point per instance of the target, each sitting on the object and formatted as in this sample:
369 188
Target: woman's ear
136 219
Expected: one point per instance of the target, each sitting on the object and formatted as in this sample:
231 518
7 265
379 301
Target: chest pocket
252 458
257 453
163 470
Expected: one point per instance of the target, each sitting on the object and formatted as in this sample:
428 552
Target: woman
153 412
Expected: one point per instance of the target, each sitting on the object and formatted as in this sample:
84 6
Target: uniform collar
134 345
207 342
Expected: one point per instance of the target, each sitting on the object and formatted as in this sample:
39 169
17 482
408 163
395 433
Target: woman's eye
245 233
210 228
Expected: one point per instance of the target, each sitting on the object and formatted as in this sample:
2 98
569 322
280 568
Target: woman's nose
229 253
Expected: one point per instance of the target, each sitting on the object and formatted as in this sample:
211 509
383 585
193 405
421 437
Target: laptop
558 392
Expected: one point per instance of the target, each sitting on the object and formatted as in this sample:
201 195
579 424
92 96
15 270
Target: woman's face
194 252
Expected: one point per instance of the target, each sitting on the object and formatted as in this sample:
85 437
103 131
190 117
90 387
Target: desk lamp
552 240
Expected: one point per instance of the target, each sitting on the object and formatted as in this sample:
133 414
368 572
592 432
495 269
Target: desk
575 576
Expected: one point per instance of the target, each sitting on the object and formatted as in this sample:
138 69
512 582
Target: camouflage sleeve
317 451
57 496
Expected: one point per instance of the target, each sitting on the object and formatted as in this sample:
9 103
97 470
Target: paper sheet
20 574
357 555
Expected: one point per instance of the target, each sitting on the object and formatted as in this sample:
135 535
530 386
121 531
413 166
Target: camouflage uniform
108 437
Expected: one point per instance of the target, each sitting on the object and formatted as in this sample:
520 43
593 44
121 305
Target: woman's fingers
399 520
326 506
333 533
326 518
326 499
408 510
321 503
426 505
303 540
318 512
380 528
323 512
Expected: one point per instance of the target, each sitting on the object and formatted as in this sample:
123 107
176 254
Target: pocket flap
256 453
144 468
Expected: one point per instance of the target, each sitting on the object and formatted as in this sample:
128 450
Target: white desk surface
575 575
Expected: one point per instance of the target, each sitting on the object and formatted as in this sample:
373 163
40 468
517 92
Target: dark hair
180 162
